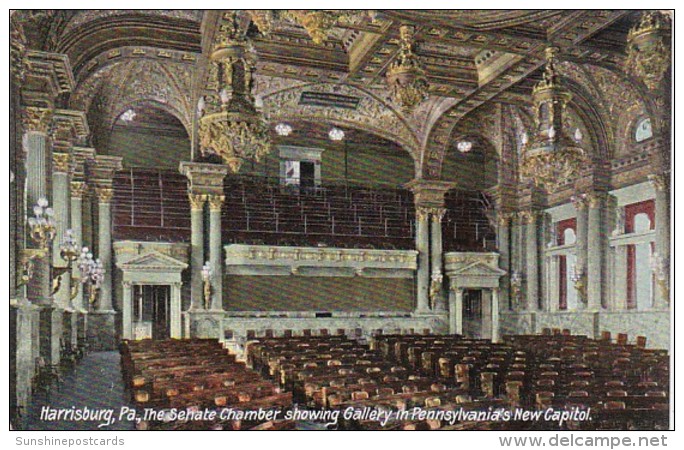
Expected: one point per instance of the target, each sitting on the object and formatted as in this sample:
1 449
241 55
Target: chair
622 338
641 341
359 395
433 402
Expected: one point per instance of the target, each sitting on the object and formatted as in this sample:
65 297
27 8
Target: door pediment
153 262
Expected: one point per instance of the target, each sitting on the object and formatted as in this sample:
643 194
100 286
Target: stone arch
129 81
371 115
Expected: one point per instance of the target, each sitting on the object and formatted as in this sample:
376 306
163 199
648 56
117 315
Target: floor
90 396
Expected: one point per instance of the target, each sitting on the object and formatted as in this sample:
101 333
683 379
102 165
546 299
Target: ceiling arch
371 113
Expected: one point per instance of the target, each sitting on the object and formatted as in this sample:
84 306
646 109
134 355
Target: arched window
643 130
567 295
639 219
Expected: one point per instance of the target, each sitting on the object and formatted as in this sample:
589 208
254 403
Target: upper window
643 130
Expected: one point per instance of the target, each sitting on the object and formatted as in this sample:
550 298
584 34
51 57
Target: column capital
104 194
595 199
216 202
529 216
503 218
127 284
197 201
659 181
78 189
36 119
422 214
61 162
579 201
437 214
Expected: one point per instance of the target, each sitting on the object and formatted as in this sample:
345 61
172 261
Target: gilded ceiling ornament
648 49
550 156
17 50
231 126
37 119
318 23
406 78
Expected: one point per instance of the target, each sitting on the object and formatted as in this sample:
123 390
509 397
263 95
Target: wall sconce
92 274
42 224
206 278
69 252
659 269
516 286
579 280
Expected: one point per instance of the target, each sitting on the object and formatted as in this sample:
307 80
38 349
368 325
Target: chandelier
406 78
551 157
648 52
231 126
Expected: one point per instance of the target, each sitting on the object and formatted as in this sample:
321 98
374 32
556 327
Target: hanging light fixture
550 156
231 126
283 129
335 134
406 78
648 49
464 146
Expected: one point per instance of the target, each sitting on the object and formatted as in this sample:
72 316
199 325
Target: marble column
595 234
77 191
175 313
530 219
104 248
215 205
516 260
620 278
35 143
581 246
495 315
503 243
197 249
662 239
455 309
486 321
127 311
436 252
61 163
423 272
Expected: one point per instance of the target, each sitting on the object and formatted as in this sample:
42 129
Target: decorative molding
267 260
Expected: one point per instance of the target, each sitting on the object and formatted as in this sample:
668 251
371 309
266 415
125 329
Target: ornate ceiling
474 60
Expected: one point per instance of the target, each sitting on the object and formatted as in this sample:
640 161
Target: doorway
151 310
472 313
307 175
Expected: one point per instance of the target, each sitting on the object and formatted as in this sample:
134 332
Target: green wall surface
365 167
151 150
294 293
